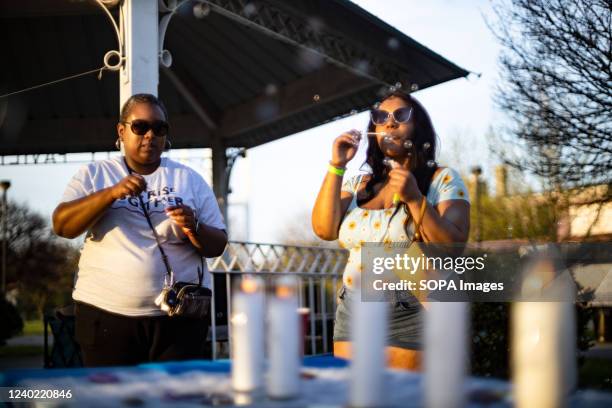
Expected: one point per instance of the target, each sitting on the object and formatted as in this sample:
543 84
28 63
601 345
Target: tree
40 266
521 216
11 321
557 88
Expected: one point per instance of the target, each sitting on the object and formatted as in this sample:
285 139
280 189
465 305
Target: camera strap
169 278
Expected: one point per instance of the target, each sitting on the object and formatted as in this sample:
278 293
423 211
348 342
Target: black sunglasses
401 115
140 127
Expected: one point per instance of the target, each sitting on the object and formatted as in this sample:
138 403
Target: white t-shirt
120 269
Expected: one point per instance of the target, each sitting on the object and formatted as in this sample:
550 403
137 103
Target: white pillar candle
368 363
544 333
543 353
445 354
248 335
284 340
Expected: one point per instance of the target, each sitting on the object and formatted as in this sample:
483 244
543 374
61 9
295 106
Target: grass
33 327
20 351
30 328
596 373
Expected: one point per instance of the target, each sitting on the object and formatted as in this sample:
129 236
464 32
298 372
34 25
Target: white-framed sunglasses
400 115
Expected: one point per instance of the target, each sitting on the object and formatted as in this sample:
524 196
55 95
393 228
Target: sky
274 188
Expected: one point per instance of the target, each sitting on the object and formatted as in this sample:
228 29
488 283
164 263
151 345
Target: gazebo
233 73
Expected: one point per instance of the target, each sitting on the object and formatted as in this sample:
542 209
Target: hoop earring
168 145
118 144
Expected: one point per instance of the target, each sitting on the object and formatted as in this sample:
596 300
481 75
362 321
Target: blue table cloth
324 382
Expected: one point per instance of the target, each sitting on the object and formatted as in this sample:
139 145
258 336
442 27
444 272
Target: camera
167 299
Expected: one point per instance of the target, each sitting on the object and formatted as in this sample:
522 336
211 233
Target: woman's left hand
183 216
403 182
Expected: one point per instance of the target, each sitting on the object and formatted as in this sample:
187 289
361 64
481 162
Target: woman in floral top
384 206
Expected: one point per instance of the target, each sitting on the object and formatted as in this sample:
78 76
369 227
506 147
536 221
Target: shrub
11 323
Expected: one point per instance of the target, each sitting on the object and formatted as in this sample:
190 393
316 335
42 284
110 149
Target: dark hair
423 133
141 98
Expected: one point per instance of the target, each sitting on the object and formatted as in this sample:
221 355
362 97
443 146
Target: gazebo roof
246 74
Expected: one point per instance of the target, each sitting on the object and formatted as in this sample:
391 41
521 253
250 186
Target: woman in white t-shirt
406 190
121 271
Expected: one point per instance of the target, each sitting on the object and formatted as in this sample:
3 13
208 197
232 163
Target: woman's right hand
345 147
72 218
332 202
131 185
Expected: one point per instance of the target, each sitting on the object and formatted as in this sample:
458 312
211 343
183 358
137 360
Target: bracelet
338 171
423 207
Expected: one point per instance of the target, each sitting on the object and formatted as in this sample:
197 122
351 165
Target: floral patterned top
362 225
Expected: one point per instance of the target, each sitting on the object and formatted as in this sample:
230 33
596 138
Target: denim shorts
405 319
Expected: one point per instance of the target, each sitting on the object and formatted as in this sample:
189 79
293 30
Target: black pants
109 339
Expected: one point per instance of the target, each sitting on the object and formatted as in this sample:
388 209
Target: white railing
319 269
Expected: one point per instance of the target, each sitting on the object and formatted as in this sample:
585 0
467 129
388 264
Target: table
207 383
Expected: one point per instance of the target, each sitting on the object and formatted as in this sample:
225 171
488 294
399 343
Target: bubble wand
389 162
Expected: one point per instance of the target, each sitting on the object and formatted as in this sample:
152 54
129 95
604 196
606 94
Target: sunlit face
145 149
392 144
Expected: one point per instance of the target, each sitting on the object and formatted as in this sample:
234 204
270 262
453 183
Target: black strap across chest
169 271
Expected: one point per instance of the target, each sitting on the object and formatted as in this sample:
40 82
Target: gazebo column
223 160
220 175
140 72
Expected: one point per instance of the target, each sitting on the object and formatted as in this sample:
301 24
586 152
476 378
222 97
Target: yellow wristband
396 198
336 170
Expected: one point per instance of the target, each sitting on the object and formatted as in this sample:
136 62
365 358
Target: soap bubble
249 9
426 145
201 10
408 144
393 43
271 89
398 85
414 87
316 98
316 24
267 110
353 112
310 58
362 66
431 163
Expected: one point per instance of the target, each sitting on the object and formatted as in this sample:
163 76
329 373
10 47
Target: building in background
508 218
